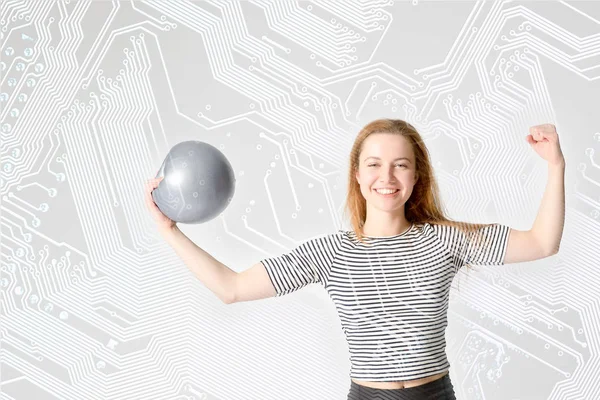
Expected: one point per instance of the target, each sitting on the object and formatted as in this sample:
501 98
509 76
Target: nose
387 176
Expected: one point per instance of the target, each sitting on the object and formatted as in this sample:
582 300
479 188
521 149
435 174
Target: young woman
389 277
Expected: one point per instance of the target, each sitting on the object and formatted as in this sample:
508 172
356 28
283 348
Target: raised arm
216 276
543 239
550 220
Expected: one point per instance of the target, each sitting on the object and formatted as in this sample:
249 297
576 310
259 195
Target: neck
383 231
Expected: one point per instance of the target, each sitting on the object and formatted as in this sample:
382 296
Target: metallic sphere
198 183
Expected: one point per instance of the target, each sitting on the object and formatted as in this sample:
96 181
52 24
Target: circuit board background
95 305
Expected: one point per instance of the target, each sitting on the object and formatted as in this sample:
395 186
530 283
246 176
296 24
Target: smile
386 194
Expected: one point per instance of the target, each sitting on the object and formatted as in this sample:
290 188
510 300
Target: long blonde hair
424 204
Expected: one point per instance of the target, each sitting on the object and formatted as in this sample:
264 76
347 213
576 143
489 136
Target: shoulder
331 240
342 235
439 227
427 227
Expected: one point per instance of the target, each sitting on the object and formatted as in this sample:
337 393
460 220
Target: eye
399 165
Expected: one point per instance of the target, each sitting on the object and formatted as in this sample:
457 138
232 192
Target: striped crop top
392 295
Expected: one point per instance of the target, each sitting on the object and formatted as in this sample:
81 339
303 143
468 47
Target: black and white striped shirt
391 296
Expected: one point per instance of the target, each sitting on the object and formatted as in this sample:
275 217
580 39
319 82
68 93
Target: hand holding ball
198 183
163 222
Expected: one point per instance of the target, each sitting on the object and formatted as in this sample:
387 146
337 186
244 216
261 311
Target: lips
387 195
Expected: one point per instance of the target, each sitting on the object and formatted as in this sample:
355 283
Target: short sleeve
485 246
310 262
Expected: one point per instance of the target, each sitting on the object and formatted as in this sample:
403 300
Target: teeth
385 191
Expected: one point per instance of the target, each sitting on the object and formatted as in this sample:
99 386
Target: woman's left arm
548 225
543 239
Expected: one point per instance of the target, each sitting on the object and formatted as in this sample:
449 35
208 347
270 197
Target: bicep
253 284
523 246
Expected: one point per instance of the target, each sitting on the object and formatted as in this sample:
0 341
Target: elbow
552 251
228 298
228 294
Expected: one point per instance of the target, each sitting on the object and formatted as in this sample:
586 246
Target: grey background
95 305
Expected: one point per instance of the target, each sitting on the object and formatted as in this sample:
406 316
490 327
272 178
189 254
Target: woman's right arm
216 276
226 284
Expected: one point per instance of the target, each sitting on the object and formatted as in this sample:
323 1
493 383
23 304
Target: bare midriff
399 384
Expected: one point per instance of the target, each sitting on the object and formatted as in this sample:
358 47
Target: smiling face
386 161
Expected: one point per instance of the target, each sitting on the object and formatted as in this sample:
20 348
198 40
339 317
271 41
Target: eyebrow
377 158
